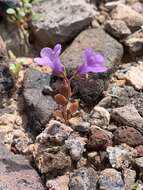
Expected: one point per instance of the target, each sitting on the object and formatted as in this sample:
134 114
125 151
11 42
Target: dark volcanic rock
128 135
98 139
16 173
39 107
90 91
83 179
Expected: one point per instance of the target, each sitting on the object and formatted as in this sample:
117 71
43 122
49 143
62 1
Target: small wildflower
50 57
94 63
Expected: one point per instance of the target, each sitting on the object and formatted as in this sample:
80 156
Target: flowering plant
92 62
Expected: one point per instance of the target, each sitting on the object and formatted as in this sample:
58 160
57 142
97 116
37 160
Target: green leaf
10 11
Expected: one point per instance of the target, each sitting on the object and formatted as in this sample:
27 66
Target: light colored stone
135 76
120 156
110 179
100 117
129 178
133 19
59 183
129 116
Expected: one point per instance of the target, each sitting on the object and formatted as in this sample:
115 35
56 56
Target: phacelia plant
92 62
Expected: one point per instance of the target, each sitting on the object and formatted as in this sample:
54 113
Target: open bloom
50 57
94 63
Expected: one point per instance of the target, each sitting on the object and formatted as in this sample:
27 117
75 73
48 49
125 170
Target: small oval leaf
61 100
74 107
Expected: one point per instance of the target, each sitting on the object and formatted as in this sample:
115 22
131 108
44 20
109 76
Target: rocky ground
102 147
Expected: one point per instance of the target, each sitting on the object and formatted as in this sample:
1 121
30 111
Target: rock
137 6
6 83
128 115
61 21
79 125
2 48
100 117
55 134
16 172
139 163
117 28
83 179
133 19
140 150
111 179
120 156
134 43
99 41
112 4
51 161
120 97
11 36
90 91
128 135
129 178
60 183
39 107
134 77
75 146
98 139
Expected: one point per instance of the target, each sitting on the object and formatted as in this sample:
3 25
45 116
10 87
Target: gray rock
39 107
55 134
51 161
61 21
111 179
128 115
133 19
100 117
100 42
120 156
117 28
119 97
83 179
134 43
91 90
16 172
75 146
129 178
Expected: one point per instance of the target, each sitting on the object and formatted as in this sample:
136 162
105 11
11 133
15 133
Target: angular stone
117 28
134 43
134 77
59 183
98 139
128 115
99 41
120 156
51 161
124 96
111 179
129 178
16 172
133 19
39 107
139 163
75 145
100 117
61 21
90 91
83 179
55 133
128 135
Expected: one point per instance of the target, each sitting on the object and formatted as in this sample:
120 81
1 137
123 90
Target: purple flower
94 63
50 57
